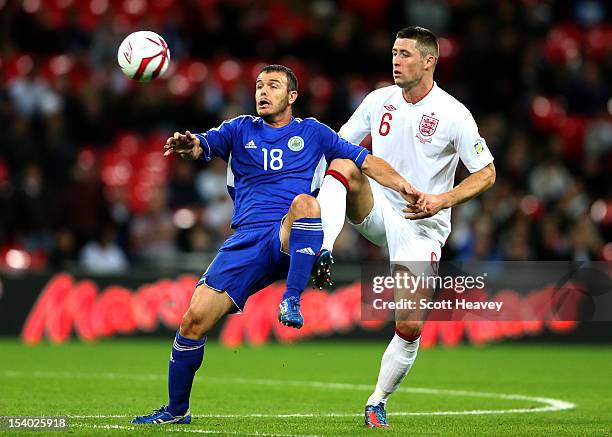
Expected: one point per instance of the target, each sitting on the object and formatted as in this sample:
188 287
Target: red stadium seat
598 41
572 132
563 43
546 114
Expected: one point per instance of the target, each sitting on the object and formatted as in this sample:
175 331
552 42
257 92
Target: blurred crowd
82 179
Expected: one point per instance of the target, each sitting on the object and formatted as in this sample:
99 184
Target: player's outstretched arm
472 186
187 146
380 170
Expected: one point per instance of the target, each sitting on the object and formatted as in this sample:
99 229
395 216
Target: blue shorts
249 261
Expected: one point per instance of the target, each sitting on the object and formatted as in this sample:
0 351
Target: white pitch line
99 416
192 430
549 404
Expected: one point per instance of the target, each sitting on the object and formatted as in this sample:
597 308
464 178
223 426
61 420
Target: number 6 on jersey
385 127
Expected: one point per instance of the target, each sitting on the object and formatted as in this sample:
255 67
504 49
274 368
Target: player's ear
292 96
430 62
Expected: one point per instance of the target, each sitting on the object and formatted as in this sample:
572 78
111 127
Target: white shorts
408 246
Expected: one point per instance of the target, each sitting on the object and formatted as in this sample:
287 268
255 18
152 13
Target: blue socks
305 242
185 360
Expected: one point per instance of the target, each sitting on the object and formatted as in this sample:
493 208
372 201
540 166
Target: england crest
428 125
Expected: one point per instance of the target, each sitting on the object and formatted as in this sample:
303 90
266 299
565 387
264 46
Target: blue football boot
162 417
376 416
289 312
321 271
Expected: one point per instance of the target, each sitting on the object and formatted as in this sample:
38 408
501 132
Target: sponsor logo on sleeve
479 147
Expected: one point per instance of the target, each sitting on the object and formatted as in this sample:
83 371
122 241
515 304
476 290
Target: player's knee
192 325
408 329
348 169
305 206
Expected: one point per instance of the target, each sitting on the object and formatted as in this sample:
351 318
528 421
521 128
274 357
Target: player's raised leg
345 192
207 307
400 354
301 237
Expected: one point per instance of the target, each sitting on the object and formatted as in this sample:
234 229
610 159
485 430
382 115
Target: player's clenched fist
187 146
414 197
430 205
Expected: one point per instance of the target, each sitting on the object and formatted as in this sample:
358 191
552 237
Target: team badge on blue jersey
295 143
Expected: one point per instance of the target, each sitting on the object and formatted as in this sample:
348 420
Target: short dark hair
292 82
426 41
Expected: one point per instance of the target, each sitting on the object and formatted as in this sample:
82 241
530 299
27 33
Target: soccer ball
143 56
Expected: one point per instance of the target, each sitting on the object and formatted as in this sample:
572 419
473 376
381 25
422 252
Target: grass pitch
315 388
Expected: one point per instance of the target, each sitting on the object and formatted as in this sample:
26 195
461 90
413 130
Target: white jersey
422 141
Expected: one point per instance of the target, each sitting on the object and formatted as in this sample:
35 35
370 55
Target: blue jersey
269 166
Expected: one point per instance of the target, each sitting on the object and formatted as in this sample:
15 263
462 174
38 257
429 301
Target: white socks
395 365
400 354
332 199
